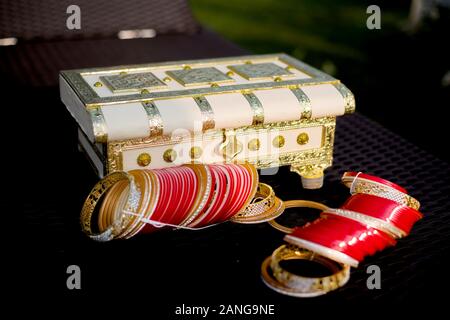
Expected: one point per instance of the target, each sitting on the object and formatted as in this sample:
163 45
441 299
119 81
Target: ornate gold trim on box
300 161
348 96
155 122
89 97
257 108
207 113
199 76
260 71
99 124
304 101
132 82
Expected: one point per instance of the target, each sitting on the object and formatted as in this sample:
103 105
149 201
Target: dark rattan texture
221 264
217 265
38 64
28 19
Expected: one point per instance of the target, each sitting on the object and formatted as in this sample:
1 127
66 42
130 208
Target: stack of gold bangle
285 282
366 185
127 201
130 201
282 281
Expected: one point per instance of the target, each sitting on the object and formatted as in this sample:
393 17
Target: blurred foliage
325 33
377 65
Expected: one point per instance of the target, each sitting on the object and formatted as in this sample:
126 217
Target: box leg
312 175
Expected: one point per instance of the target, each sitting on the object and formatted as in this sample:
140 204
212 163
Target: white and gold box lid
128 102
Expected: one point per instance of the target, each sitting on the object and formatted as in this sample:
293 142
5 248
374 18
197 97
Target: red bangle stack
190 196
224 190
369 221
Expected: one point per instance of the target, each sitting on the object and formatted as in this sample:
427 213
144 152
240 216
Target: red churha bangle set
377 213
365 223
194 196
190 196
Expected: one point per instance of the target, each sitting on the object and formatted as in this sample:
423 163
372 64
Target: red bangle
162 202
185 189
340 237
188 195
194 189
401 216
170 193
238 185
222 192
216 193
243 190
221 205
234 189
246 191
173 213
352 174
173 196
365 184
206 199
365 224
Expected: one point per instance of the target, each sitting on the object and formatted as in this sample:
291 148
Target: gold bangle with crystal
264 206
118 200
117 211
105 207
153 199
97 194
365 186
275 211
297 204
143 185
291 284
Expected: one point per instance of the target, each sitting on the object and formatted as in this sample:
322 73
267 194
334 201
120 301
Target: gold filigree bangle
275 211
291 284
149 209
143 185
264 206
118 198
117 211
96 195
105 207
297 204
366 186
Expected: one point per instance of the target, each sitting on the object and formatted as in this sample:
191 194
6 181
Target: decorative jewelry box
269 110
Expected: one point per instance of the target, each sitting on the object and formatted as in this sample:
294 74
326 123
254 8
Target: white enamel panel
126 121
325 99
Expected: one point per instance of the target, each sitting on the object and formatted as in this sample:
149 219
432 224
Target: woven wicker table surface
220 264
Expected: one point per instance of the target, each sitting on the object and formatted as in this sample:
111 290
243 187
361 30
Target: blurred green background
395 74
325 33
